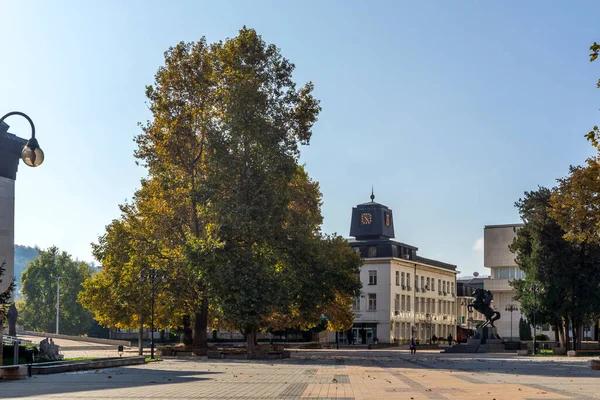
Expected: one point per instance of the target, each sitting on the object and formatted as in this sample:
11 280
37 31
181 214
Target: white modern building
403 294
503 269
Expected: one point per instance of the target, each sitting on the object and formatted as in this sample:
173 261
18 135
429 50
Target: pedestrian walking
413 345
450 339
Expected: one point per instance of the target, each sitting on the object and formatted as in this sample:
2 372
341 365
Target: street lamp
32 155
510 308
57 303
534 289
428 325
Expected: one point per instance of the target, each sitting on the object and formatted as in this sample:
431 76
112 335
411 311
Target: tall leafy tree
227 211
574 205
548 260
273 260
40 281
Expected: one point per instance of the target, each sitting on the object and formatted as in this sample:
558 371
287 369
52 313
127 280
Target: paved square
330 374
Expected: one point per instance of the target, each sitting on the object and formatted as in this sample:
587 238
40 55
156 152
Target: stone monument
13 314
50 351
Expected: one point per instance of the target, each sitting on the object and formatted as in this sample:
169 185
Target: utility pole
57 303
152 321
415 302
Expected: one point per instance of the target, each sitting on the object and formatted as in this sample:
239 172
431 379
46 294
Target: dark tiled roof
436 263
379 241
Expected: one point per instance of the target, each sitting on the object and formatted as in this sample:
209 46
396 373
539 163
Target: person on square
450 339
413 345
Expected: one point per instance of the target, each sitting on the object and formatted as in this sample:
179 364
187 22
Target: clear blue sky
451 109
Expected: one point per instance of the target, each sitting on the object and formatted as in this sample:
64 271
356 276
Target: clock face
388 220
366 218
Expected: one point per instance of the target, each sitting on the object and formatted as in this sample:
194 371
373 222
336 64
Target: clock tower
372 221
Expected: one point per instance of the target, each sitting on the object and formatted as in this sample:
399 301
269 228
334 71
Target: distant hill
23 255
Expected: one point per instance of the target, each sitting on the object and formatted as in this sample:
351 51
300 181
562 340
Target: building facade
503 269
10 154
403 294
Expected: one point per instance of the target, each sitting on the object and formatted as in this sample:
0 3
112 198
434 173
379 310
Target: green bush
541 337
9 349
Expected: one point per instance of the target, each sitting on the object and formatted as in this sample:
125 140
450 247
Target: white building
403 294
503 268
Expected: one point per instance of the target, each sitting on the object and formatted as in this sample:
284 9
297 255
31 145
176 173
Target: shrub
9 349
541 337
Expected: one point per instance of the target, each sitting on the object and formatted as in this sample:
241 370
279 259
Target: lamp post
534 289
32 155
153 278
57 302
510 308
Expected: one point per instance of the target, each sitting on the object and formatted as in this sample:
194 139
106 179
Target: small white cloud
478 245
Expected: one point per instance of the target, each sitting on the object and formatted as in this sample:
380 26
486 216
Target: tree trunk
566 334
141 337
200 345
252 339
188 333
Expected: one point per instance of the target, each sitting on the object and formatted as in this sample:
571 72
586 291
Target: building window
408 281
372 277
403 305
397 303
372 302
417 282
403 281
372 251
397 278
428 306
422 304
388 219
452 288
422 283
439 286
416 304
428 284
356 304
432 284
408 303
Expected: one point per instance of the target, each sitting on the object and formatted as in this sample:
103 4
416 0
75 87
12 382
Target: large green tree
575 205
563 270
227 211
546 258
5 297
40 280
273 259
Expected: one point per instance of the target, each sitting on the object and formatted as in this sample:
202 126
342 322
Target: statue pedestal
487 334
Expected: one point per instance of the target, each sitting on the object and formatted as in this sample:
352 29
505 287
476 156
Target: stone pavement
327 374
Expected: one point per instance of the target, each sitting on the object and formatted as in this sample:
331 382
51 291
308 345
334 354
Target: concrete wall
496 239
7 231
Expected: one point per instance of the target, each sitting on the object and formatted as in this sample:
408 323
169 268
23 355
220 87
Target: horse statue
482 303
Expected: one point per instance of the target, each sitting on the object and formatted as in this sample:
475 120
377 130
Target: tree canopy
227 213
40 280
